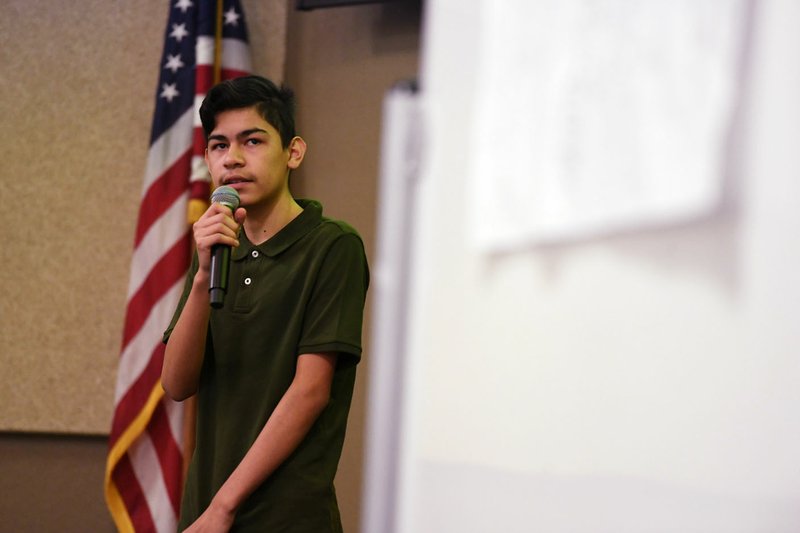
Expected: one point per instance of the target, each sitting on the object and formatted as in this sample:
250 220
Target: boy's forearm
288 425
183 357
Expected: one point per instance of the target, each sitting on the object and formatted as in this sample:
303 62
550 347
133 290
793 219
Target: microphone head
227 196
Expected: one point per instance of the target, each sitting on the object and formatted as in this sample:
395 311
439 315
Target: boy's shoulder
336 227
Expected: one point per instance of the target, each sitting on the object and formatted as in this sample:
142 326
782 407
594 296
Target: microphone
221 254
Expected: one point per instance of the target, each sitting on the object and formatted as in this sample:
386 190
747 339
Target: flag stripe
169 269
131 363
162 194
235 54
168 148
138 394
175 418
142 455
205 76
132 496
162 236
169 454
198 147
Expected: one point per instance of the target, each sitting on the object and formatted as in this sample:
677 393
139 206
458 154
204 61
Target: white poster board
594 117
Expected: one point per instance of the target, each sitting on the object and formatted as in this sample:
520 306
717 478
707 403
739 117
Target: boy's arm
183 357
289 423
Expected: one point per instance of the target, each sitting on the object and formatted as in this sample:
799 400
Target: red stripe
231 73
132 496
162 194
135 398
200 190
204 79
204 76
165 273
170 456
198 142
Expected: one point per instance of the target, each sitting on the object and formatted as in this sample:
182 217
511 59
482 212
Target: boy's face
244 151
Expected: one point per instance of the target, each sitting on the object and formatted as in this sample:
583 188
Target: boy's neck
261 225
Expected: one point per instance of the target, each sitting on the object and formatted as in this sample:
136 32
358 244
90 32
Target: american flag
205 41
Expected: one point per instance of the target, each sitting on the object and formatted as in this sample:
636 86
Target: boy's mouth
232 180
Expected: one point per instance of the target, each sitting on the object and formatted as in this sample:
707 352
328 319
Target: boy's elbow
176 393
317 399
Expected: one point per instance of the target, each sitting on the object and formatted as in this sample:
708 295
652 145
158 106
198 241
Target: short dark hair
275 104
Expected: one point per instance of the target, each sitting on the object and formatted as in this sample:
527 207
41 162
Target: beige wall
77 82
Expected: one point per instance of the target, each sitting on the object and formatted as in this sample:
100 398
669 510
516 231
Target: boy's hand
216 226
213 520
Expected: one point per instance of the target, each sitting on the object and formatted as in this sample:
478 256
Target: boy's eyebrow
245 133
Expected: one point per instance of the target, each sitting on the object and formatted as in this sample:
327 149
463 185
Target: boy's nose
233 156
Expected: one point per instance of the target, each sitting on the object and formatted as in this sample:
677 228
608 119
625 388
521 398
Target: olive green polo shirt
301 291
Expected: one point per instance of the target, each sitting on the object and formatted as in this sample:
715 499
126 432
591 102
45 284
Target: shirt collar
295 230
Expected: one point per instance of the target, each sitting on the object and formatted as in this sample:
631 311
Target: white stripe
136 354
175 412
204 51
199 169
147 469
166 149
235 53
170 227
198 101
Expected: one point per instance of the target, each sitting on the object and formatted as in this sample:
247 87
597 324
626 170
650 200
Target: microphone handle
220 265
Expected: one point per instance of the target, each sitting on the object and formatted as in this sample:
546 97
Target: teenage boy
273 368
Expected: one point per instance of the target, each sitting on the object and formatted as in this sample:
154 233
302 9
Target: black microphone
221 254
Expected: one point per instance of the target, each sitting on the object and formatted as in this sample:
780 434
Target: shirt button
254 253
248 281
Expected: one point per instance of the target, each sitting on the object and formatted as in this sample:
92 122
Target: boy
274 368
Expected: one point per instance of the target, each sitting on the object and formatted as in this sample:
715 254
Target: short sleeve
334 316
187 287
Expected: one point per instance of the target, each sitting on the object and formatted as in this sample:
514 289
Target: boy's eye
217 146
253 141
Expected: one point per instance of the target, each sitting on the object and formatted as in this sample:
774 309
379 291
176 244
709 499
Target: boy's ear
297 151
